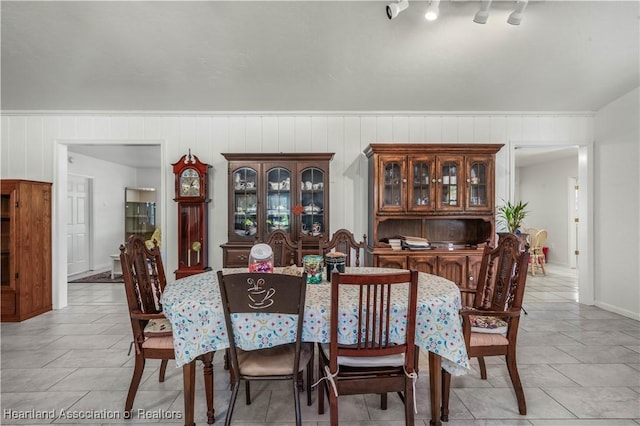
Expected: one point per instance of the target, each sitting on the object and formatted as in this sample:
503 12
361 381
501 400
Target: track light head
516 16
483 14
433 10
394 9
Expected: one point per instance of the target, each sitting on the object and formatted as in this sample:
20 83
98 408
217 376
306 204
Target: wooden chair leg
333 408
247 391
135 382
515 380
232 402
483 368
207 360
533 266
163 370
309 369
446 389
544 271
408 402
322 386
296 401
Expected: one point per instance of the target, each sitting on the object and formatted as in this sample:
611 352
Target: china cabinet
442 193
270 191
139 212
25 249
192 196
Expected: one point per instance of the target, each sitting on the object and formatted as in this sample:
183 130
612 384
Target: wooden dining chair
381 356
537 253
490 326
144 283
344 241
266 293
285 251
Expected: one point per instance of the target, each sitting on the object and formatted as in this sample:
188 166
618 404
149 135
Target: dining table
193 306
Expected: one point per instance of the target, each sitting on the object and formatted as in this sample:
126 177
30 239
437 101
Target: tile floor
580 366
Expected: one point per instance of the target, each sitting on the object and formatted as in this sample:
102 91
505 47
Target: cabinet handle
433 180
242 257
470 278
404 180
468 180
439 180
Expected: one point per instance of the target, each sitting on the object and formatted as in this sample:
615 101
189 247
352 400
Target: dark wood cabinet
25 249
270 191
443 193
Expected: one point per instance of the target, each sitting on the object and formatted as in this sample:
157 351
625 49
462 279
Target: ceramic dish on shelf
312 208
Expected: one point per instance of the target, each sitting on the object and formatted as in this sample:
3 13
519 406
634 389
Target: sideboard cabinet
25 256
443 193
269 191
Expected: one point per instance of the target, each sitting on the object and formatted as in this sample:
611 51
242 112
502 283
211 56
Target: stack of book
415 243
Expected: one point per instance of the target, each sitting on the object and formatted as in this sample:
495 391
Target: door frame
59 215
586 289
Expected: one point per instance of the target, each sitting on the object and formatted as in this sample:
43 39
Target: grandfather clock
192 192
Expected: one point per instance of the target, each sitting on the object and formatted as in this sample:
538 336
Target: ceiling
315 56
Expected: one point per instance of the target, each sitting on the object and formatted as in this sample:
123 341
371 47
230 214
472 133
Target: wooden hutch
443 193
269 191
26 249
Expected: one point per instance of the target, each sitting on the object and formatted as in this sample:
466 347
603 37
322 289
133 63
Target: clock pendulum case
192 196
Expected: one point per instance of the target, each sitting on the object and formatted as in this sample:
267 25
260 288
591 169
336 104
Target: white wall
617 192
109 181
29 150
544 187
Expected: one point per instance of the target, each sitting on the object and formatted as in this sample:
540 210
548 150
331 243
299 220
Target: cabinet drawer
236 258
383 261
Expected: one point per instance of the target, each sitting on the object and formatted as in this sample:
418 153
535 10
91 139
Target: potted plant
511 215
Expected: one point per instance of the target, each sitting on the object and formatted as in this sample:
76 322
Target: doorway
133 154
554 204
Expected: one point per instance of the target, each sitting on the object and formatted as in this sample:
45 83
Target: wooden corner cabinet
270 191
443 193
25 249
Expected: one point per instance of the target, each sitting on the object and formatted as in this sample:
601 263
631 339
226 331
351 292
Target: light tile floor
580 366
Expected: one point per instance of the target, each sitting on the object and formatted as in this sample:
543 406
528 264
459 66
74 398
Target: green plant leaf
511 215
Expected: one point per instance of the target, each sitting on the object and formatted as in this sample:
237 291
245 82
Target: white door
78 196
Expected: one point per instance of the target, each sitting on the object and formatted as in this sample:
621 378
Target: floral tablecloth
193 306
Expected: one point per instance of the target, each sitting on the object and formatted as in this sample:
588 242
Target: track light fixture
394 9
483 14
516 16
433 10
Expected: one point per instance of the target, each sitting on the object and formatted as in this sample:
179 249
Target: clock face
189 183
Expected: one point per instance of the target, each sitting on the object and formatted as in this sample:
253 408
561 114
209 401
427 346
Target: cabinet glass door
5 241
391 195
421 184
278 199
312 200
245 202
479 184
450 184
